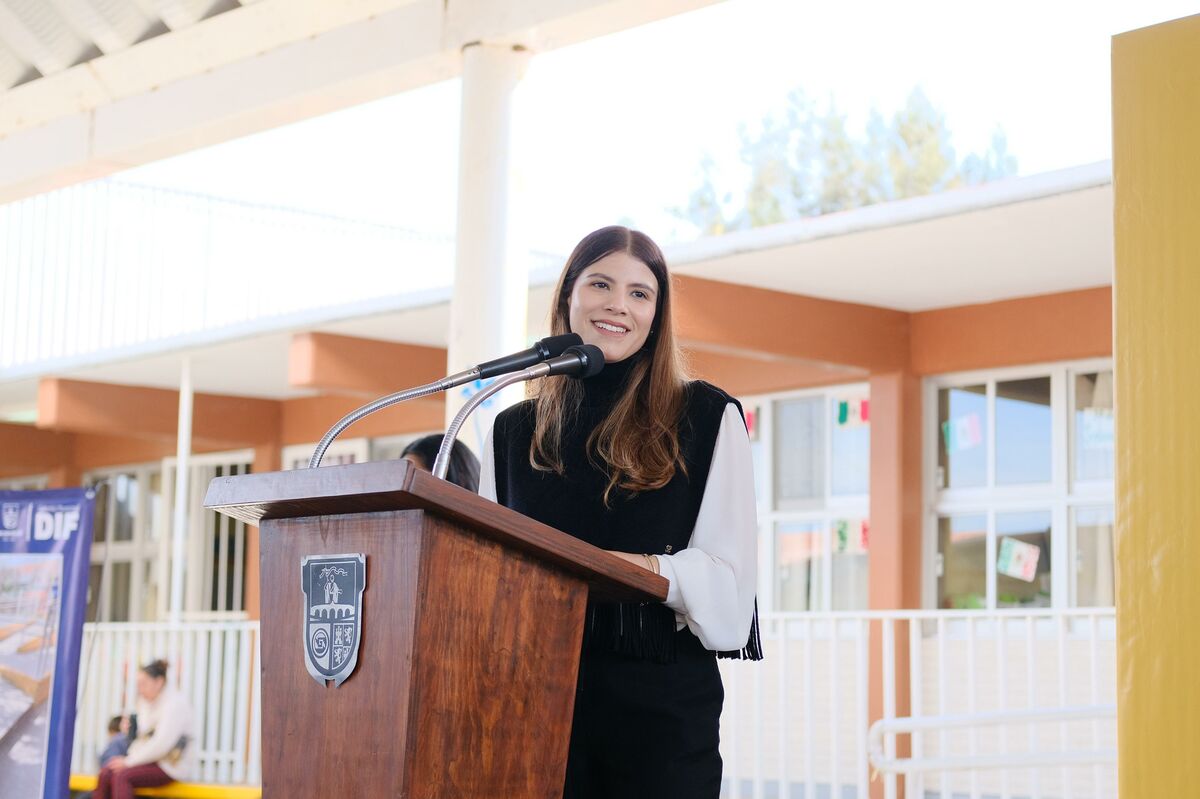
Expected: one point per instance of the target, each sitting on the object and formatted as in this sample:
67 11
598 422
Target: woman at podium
656 469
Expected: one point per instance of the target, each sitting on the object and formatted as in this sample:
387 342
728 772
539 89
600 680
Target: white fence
214 663
797 724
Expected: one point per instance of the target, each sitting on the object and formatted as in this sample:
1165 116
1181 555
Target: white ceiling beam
12 69
264 65
38 34
111 24
182 13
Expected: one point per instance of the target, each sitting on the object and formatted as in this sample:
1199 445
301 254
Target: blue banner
45 544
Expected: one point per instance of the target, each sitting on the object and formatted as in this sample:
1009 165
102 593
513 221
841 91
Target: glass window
1023 431
1092 545
962 437
95 586
851 445
962 562
1093 444
850 565
1023 559
125 488
799 449
122 575
799 547
155 495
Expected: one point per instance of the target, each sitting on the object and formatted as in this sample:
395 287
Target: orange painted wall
305 420
359 366
1052 327
759 320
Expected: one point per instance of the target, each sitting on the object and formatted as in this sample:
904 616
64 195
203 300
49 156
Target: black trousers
646 730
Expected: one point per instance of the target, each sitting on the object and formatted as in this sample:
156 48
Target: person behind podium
655 468
463 469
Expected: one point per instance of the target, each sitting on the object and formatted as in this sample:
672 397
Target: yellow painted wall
1156 170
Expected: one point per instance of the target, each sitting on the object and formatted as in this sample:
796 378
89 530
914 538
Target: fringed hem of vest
645 630
753 648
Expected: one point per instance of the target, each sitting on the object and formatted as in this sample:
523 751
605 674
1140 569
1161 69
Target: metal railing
113 267
215 664
798 723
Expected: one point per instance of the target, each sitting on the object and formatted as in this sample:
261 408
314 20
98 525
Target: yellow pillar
1156 170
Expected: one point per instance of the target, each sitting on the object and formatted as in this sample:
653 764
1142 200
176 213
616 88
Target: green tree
807 162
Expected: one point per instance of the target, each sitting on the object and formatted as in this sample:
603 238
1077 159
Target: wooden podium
471 622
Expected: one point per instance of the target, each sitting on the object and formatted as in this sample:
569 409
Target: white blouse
713 581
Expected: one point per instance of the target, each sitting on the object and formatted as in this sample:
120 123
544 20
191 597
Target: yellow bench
178 790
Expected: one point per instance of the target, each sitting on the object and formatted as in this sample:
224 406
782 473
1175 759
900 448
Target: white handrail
909 724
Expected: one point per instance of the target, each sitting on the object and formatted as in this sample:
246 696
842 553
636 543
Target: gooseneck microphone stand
581 362
549 347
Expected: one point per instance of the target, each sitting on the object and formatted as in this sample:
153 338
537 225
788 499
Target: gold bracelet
651 563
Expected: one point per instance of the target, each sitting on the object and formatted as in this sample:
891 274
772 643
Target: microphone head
592 357
553 346
585 360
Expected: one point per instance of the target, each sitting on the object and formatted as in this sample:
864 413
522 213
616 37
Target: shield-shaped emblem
10 515
333 588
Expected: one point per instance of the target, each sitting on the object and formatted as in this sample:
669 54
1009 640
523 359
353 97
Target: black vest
653 522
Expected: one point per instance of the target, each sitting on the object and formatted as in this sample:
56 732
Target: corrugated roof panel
111 24
12 69
39 35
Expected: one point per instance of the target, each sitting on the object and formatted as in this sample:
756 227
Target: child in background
118 739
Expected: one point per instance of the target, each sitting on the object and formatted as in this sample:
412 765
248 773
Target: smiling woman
655 469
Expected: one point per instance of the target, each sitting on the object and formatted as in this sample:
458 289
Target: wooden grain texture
318 740
397 485
498 638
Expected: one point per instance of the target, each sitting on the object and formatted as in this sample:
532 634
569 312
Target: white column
491 276
183 456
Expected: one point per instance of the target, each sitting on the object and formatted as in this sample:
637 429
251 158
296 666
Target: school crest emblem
333 587
10 515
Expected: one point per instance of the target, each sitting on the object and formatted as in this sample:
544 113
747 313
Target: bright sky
615 129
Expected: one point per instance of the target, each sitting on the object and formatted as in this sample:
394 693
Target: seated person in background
118 739
164 750
464 466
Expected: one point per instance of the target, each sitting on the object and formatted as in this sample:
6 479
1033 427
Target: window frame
1060 496
823 511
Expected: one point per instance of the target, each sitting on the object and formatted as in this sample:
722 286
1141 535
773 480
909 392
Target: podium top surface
398 485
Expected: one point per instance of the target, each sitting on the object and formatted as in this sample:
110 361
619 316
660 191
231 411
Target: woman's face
148 687
612 305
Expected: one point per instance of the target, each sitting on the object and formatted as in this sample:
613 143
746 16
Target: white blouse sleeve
713 581
487 469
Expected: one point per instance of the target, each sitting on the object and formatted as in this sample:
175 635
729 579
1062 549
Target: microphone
549 347
581 361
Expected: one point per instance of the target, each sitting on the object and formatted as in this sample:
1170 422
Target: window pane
962 437
126 488
149 598
851 456
157 512
850 575
798 550
1023 437
1092 545
1094 426
799 449
962 551
121 578
1023 559
95 574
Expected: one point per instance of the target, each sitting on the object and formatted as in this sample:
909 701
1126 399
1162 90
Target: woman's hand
116 764
641 561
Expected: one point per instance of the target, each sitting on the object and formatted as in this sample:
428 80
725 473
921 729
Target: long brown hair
638 441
